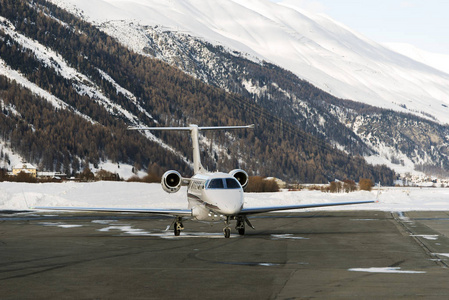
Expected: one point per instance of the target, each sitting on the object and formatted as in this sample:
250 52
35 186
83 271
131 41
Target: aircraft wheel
240 226
227 232
177 231
177 226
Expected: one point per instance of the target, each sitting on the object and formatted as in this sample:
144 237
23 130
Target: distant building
51 175
25 168
32 170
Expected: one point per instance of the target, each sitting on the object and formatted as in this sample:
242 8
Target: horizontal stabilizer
226 127
190 128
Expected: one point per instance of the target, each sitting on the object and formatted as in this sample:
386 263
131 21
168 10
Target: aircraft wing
171 212
188 212
258 210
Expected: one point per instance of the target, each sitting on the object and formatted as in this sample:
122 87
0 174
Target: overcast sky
424 24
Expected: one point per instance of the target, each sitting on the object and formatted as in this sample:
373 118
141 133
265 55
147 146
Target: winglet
378 193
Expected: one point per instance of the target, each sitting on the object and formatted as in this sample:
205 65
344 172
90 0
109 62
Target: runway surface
338 255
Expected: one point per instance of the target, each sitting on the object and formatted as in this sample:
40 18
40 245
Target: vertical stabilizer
197 167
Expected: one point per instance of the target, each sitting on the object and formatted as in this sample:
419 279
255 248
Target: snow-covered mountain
436 60
80 70
69 91
314 47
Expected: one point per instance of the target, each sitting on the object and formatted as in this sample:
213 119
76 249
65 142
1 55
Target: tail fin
194 129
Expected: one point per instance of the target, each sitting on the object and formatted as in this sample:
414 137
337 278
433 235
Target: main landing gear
227 230
240 227
177 225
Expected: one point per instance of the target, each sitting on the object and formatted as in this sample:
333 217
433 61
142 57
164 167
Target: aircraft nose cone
231 210
225 202
231 205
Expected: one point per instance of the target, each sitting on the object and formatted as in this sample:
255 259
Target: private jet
211 196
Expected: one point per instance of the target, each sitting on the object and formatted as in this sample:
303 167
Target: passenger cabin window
196 185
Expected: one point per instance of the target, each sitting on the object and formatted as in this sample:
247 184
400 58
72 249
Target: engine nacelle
241 176
171 181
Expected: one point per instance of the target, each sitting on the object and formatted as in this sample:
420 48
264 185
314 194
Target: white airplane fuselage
214 196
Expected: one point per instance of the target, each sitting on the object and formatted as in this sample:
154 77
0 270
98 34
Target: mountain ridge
314 47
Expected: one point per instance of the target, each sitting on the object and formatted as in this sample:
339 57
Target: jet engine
171 181
241 176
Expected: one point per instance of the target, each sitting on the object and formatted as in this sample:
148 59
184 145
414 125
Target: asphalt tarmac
323 255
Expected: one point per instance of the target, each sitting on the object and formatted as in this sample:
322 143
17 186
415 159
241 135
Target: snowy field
20 196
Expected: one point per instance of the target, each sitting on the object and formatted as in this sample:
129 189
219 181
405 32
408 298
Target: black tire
227 233
177 232
242 231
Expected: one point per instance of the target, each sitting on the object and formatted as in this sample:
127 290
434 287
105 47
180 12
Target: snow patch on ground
287 236
385 270
432 237
22 196
60 225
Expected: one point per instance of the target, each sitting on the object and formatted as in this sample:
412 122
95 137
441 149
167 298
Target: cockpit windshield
231 183
223 183
216 184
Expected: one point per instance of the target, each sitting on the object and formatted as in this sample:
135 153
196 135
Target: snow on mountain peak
435 60
314 47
